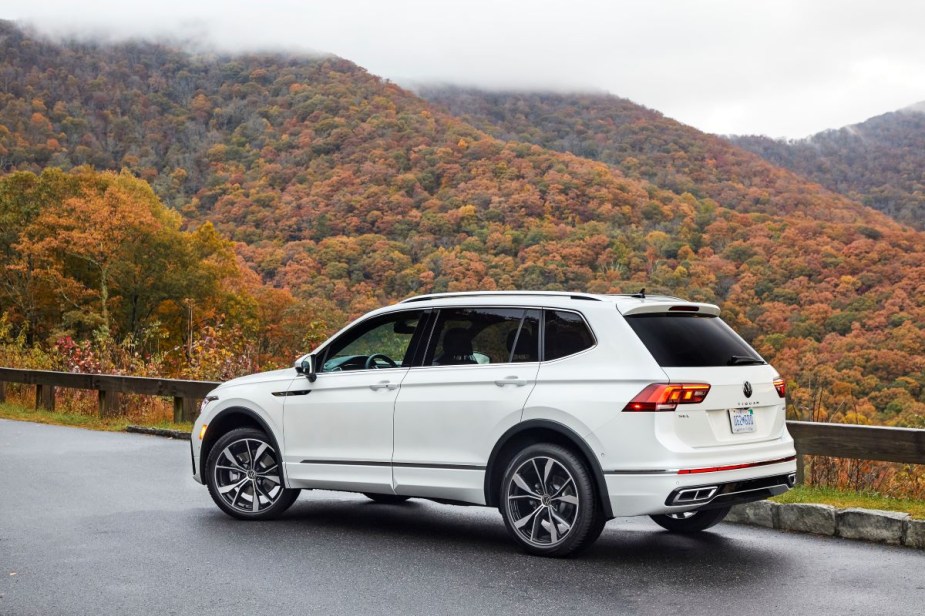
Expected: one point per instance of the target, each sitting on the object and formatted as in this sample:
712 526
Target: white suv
562 410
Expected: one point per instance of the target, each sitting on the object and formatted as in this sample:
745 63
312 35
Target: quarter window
473 336
566 334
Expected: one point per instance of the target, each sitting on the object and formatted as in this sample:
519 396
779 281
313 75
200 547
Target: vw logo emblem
747 389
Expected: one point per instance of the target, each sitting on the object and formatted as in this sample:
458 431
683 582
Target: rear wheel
548 501
244 478
690 521
386 499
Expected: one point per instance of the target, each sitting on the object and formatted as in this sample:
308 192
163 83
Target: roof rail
429 296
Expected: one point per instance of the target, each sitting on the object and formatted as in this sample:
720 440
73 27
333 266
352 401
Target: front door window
380 342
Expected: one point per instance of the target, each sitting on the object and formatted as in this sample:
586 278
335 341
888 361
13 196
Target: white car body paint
429 431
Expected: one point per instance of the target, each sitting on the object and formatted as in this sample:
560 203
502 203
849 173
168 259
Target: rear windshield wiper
743 360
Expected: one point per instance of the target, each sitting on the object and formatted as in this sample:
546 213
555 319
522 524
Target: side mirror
307 367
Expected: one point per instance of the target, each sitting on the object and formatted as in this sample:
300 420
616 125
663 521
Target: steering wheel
371 361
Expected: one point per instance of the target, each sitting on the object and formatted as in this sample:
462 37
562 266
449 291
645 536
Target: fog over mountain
787 68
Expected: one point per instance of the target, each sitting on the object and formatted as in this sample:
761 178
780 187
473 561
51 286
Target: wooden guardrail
904 445
186 394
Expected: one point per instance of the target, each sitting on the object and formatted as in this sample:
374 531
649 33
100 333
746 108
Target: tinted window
687 340
566 334
464 336
381 342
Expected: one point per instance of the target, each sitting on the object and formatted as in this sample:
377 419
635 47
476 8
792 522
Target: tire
549 502
233 480
386 499
691 521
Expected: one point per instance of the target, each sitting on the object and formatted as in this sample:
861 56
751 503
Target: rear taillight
781 386
667 397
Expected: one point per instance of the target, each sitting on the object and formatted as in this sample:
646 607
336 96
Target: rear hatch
694 346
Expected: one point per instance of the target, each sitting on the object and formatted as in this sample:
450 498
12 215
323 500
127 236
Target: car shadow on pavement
417 527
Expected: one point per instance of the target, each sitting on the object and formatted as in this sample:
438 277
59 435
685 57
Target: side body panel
339 436
448 419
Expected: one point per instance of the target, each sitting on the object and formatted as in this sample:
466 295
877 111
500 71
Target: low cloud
785 68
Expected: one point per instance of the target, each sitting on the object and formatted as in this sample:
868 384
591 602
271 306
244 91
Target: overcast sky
785 68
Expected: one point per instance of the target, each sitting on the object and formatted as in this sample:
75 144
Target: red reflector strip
733 467
684 309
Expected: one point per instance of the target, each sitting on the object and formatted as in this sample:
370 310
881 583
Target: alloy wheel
247 476
542 501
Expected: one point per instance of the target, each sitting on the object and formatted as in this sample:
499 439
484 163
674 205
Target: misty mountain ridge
643 144
879 162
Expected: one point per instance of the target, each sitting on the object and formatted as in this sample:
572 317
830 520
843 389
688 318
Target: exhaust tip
692 496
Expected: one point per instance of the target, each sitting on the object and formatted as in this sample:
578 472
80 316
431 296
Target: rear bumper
657 492
715 496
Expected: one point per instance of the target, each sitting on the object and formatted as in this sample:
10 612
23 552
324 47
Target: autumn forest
204 216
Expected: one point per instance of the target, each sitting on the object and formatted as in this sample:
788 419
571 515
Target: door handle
510 380
383 385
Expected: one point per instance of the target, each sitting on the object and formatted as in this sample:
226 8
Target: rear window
688 340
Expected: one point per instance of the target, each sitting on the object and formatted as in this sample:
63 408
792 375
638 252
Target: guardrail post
109 403
184 409
45 397
801 467
2 391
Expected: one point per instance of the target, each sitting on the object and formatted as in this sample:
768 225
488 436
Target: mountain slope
879 162
352 192
644 144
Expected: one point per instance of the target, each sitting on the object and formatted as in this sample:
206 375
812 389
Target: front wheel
244 477
690 521
548 501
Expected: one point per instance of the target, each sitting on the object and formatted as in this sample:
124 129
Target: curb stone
872 525
890 527
759 513
805 518
914 534
177 434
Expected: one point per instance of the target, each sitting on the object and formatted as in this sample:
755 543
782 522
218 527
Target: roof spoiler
680 308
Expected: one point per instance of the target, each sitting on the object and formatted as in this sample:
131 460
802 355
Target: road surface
106 523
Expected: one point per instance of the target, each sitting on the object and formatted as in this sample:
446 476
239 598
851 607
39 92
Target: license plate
742 420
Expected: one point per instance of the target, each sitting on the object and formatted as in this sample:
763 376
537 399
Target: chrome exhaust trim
693 496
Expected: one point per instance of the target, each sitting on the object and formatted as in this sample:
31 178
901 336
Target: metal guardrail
904 445
186 394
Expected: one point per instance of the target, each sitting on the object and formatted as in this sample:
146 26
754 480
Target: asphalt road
103 523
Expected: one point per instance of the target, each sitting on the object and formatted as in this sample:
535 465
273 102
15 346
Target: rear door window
471 336
566 334
691 341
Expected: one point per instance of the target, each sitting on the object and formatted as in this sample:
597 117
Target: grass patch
18 412
844 499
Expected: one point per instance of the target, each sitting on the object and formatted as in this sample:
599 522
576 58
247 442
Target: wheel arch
230 419
541 431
